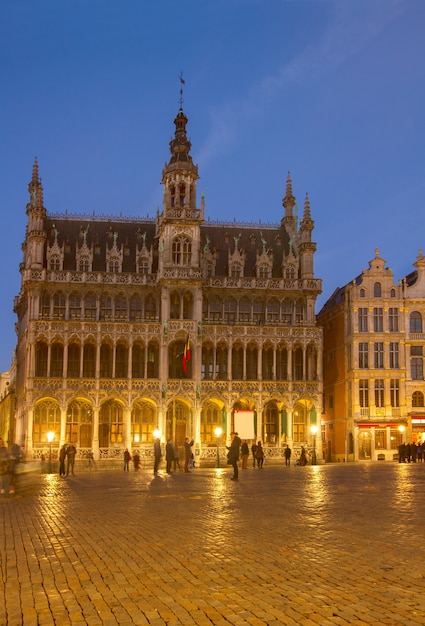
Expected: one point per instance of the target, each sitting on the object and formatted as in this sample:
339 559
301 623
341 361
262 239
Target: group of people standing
410 452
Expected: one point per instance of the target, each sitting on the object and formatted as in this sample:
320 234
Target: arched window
273 310
105 361
207 364
41 352
121 361
121 307
287 309
182 251
211 418
150 308
221 363
175 361
79 423
89 361
174 305
299 423
187 305
106 308
45 305
110 423
137 361
73 369
252 363
271 423
74 306
56 360
237 363
143 422
297 364
377 290
362 293
47 418
415 322
90 307
281 363
153 360
135 309
230 311
244 310
59 305
417 399
267 365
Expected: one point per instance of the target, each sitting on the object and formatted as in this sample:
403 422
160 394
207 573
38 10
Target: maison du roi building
374 387
174 324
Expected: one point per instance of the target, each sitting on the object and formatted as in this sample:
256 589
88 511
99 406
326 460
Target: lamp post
313 431
401 429
50 437
218 432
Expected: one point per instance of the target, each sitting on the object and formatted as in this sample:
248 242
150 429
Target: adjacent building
373 350
176 324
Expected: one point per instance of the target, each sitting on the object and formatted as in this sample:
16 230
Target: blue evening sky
331 90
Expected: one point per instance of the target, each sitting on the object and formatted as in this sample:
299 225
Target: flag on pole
186 355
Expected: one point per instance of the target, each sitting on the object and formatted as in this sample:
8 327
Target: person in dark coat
136 461
233 454
260 455
188 443
169 455
245 455
287 453
127 459
157 454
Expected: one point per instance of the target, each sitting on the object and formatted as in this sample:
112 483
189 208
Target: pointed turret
307 248
35 235
289 220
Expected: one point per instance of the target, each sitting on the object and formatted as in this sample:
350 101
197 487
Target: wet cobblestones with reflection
338 544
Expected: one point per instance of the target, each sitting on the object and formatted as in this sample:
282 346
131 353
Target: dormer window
55 264
235 270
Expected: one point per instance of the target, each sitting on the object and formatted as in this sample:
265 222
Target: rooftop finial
181 90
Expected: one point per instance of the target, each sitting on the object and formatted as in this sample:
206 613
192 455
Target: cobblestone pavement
336 544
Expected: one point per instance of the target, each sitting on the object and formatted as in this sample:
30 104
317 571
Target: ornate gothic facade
108 306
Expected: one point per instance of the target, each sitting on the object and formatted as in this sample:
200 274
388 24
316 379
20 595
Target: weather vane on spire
181 90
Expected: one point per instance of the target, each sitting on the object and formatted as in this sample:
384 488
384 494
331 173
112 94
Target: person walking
259 455
127 459
71 452
287 452
62 457
233 454
245 455
157 454
14 460
188 443
169 455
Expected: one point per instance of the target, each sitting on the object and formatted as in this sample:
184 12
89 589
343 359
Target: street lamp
50 437
218 432
313 431
401 429
157 433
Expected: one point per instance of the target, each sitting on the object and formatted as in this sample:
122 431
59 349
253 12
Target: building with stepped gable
374 349
174 323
